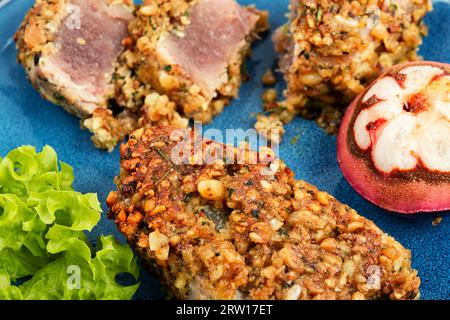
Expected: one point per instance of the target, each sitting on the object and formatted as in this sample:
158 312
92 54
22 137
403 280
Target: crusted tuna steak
120 67
330 50
192 51
216 32
69 49
214 229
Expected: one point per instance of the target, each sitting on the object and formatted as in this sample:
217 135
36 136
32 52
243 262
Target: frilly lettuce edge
42 234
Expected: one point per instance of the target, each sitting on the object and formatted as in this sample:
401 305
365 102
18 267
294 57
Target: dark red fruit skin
406 196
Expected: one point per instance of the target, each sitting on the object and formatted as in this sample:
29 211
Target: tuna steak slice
217 30
83 64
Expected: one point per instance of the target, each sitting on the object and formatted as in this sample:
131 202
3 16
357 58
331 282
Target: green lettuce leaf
20 263
8 291
22 243
23 171
42 234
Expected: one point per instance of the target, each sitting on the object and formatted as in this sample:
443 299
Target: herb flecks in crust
330 50
222 231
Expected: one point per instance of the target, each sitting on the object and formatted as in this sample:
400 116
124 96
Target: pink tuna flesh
84 62
216 32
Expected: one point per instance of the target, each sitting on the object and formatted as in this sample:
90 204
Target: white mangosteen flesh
410 121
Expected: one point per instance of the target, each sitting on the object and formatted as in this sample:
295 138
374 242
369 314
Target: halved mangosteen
394 140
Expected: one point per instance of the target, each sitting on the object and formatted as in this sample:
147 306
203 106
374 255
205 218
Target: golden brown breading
232 231
157 19
330 50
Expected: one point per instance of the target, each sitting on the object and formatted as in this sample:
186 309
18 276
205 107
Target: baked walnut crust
157 19
330 50
248 231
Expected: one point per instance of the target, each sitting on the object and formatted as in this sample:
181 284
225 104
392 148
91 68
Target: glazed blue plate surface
25 118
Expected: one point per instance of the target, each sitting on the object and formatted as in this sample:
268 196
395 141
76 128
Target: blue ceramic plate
25 118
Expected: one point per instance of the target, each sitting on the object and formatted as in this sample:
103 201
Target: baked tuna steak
69 49
211 229
331 50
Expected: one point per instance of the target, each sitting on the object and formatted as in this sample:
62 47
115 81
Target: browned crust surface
330 50
279 238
